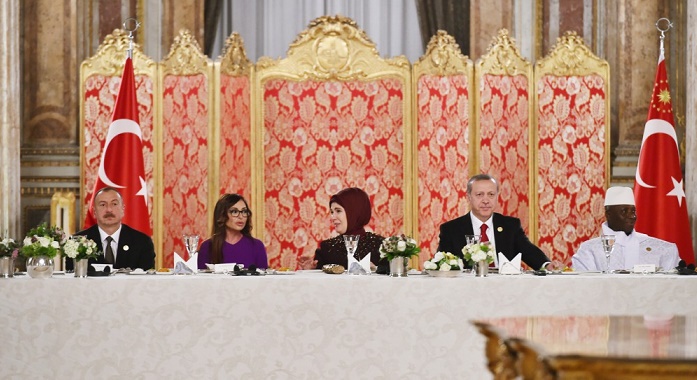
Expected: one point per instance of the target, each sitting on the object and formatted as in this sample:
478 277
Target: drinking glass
472 239
608 245
351 242
191 243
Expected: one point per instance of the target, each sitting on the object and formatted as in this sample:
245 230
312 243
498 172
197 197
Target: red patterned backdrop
185 111
320 137
571 161
235 137
504 140
100 96
442 154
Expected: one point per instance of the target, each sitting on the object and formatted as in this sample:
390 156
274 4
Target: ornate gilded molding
503 57
111 55
443 57
185 56
332 48
571 56
45 192
234 59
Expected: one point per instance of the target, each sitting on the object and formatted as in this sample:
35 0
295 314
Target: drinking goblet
351 242
191 243
608 245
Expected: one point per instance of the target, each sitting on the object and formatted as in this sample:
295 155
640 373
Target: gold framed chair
503 114
330 115
186 158
442 105
233 119
572 147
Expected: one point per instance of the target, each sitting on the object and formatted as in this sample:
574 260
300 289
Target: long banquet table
304 325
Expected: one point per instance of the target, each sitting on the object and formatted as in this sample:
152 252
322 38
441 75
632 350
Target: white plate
165 273
137 272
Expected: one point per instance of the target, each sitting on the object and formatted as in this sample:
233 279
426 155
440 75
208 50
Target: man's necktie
108 252
484 238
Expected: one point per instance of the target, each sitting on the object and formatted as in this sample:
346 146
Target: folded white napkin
509 267
192 263
358 267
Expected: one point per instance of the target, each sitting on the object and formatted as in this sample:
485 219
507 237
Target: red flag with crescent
122 165
659 191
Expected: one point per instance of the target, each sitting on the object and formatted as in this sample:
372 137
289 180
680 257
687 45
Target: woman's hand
307 262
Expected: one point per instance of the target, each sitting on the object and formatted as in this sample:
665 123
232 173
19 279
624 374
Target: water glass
608 245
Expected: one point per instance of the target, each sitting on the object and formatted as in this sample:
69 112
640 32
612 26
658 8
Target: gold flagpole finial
130 25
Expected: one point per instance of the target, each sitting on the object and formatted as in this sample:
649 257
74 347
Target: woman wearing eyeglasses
349 213
231 236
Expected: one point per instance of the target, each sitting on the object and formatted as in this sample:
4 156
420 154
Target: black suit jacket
139 254
508 235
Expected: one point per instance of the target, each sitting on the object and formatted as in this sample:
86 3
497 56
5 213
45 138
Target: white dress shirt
114 243
630 250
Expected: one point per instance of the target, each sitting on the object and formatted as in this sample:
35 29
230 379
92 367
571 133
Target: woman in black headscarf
350 211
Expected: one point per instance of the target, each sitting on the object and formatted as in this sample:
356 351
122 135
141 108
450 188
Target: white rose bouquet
444 261
80 247
43 241
398 246
475 253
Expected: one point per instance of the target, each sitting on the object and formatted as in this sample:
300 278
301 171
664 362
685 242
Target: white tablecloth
307 325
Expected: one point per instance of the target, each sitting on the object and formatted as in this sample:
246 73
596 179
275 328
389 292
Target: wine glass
351 242
608 245
191 243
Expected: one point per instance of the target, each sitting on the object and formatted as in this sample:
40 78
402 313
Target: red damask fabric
320 137
571 161
100 97
185 112
443 145
235 137
504 141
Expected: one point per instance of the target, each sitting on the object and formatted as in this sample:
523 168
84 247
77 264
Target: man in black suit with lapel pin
504 232
127 247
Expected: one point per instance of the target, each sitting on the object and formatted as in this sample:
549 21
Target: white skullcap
619 195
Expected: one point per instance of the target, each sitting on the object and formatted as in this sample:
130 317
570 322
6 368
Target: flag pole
134 24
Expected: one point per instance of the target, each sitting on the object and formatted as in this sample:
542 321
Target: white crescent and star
653 127
116 128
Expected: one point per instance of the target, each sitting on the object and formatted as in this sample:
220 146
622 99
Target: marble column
691 118
10 119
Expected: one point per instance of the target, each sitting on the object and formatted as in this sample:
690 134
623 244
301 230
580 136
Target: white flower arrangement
43 241
9 248
399 246
444 261
80 247
475 253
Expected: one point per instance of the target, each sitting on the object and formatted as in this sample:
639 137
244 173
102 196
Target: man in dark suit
504 232
127 247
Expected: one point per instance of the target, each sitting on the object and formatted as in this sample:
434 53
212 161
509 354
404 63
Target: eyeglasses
243 213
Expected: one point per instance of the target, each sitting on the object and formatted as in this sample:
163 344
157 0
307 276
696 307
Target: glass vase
40 267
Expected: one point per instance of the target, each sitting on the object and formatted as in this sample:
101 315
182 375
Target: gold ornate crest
233 60
443 57
185 56
571 56
111 54
503 57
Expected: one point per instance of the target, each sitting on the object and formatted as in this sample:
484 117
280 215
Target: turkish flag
122 158
658 189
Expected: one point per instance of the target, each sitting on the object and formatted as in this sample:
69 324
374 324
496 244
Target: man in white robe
631 247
